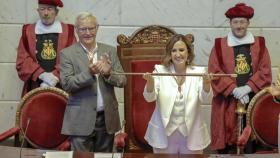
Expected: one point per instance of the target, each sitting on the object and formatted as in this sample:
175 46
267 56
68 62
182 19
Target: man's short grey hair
84 15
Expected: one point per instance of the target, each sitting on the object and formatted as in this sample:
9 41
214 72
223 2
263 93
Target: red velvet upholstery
46 111
45 108
263 117
141 110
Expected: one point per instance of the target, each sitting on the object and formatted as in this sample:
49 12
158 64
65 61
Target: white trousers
177 144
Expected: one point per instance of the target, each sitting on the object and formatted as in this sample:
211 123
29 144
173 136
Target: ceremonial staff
175 74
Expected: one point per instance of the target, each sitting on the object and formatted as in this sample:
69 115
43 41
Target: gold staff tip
234 75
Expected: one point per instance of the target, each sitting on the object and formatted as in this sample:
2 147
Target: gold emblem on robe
242 67
48 52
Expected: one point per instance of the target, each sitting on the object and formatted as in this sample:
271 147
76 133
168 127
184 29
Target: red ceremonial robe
223 116
27 65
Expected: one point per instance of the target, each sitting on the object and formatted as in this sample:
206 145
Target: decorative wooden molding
122 39
153 34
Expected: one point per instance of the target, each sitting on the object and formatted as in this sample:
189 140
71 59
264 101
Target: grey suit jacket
80 112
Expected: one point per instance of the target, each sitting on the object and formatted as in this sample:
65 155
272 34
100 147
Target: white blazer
165 94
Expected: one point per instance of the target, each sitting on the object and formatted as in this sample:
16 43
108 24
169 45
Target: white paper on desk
59 154
107 155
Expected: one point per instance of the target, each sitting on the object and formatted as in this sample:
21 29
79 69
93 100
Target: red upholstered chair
263 116
44 107
141 110
139 53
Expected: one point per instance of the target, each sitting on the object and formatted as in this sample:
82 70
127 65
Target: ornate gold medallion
48 52
242 67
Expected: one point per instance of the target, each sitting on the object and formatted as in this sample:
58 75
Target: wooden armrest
11 132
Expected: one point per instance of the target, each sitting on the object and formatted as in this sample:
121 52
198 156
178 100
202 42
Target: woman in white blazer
176 125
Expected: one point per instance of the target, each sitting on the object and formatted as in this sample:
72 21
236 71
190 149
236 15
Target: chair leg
17 141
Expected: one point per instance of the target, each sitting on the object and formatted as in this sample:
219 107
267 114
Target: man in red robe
243 54
37 61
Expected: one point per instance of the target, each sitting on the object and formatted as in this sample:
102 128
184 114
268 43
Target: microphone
24 135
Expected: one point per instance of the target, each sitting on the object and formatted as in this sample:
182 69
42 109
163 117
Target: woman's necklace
180 81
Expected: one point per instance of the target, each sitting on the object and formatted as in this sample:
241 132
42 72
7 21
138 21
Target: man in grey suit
91 117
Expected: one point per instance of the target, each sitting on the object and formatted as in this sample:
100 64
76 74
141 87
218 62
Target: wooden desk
14 152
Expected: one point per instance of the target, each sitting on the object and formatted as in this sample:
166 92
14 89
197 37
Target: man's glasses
85 29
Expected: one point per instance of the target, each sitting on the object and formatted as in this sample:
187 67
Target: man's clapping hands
102 66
